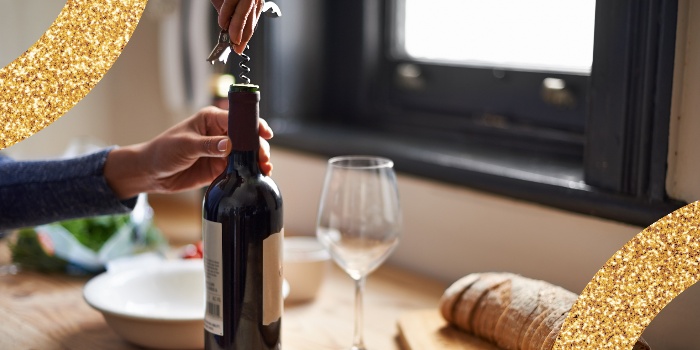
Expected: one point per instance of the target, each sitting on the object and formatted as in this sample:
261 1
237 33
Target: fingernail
222 145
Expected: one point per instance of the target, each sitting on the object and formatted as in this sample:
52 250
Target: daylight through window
547 35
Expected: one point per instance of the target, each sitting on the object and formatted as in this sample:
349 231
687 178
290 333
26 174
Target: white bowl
159 306
305 267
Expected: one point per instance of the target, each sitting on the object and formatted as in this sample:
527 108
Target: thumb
215 146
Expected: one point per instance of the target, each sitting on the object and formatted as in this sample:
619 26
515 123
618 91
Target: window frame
502 102
330 73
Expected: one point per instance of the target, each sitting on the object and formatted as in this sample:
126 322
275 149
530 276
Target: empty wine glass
359 220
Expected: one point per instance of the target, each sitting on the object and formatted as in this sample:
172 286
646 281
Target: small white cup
305 266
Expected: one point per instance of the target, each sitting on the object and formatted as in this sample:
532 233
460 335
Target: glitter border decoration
88 36
635 284
63 66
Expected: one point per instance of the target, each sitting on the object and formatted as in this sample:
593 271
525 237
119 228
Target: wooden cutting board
427 330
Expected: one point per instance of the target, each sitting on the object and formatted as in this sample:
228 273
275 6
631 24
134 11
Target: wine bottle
242 234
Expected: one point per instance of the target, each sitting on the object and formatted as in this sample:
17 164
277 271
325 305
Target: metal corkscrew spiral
245 69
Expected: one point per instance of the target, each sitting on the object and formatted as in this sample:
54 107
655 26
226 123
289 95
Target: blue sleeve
40 192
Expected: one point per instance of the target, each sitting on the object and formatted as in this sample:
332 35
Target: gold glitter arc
64 64
635 284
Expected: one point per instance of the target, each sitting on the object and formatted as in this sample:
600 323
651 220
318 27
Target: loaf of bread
510 311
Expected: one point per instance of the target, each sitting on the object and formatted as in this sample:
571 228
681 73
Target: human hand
188 155
239 17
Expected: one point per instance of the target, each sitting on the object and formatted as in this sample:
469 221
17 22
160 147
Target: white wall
449 230
684 158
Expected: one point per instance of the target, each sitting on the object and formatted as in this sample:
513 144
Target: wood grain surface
427 330
47 312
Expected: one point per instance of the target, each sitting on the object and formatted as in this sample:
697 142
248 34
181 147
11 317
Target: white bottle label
213 271
272 278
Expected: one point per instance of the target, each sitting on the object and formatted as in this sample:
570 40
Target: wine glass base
358 348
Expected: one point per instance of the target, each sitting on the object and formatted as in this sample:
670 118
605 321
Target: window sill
553 182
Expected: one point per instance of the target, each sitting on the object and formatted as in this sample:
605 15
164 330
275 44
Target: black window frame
325 74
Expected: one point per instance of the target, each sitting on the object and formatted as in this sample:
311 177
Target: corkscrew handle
271 9
222 49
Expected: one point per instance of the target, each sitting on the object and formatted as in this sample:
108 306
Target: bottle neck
243 163
243 118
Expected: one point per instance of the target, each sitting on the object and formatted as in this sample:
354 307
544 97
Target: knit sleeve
39 192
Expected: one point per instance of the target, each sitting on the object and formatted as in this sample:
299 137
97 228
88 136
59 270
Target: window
587 134
487 68
538 35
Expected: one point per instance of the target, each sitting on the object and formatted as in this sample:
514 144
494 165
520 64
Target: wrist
124 173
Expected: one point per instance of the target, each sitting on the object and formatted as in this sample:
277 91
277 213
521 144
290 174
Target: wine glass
359 220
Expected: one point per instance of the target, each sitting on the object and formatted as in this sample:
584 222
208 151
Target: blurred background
539 157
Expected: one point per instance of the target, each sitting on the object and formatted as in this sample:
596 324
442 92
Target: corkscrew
222 50
244 68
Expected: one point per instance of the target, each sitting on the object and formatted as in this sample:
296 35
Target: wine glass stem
358 342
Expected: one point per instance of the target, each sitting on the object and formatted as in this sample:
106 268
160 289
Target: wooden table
39 311
46 312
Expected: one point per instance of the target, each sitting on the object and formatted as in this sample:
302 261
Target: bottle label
213 276
272 278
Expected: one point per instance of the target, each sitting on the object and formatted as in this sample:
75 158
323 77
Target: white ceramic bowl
159 306
306 262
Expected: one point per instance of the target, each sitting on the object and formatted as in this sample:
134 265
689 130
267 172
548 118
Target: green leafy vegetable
94 232
29 253
34 250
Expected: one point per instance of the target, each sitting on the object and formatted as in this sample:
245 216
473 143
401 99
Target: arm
188 155
39 192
